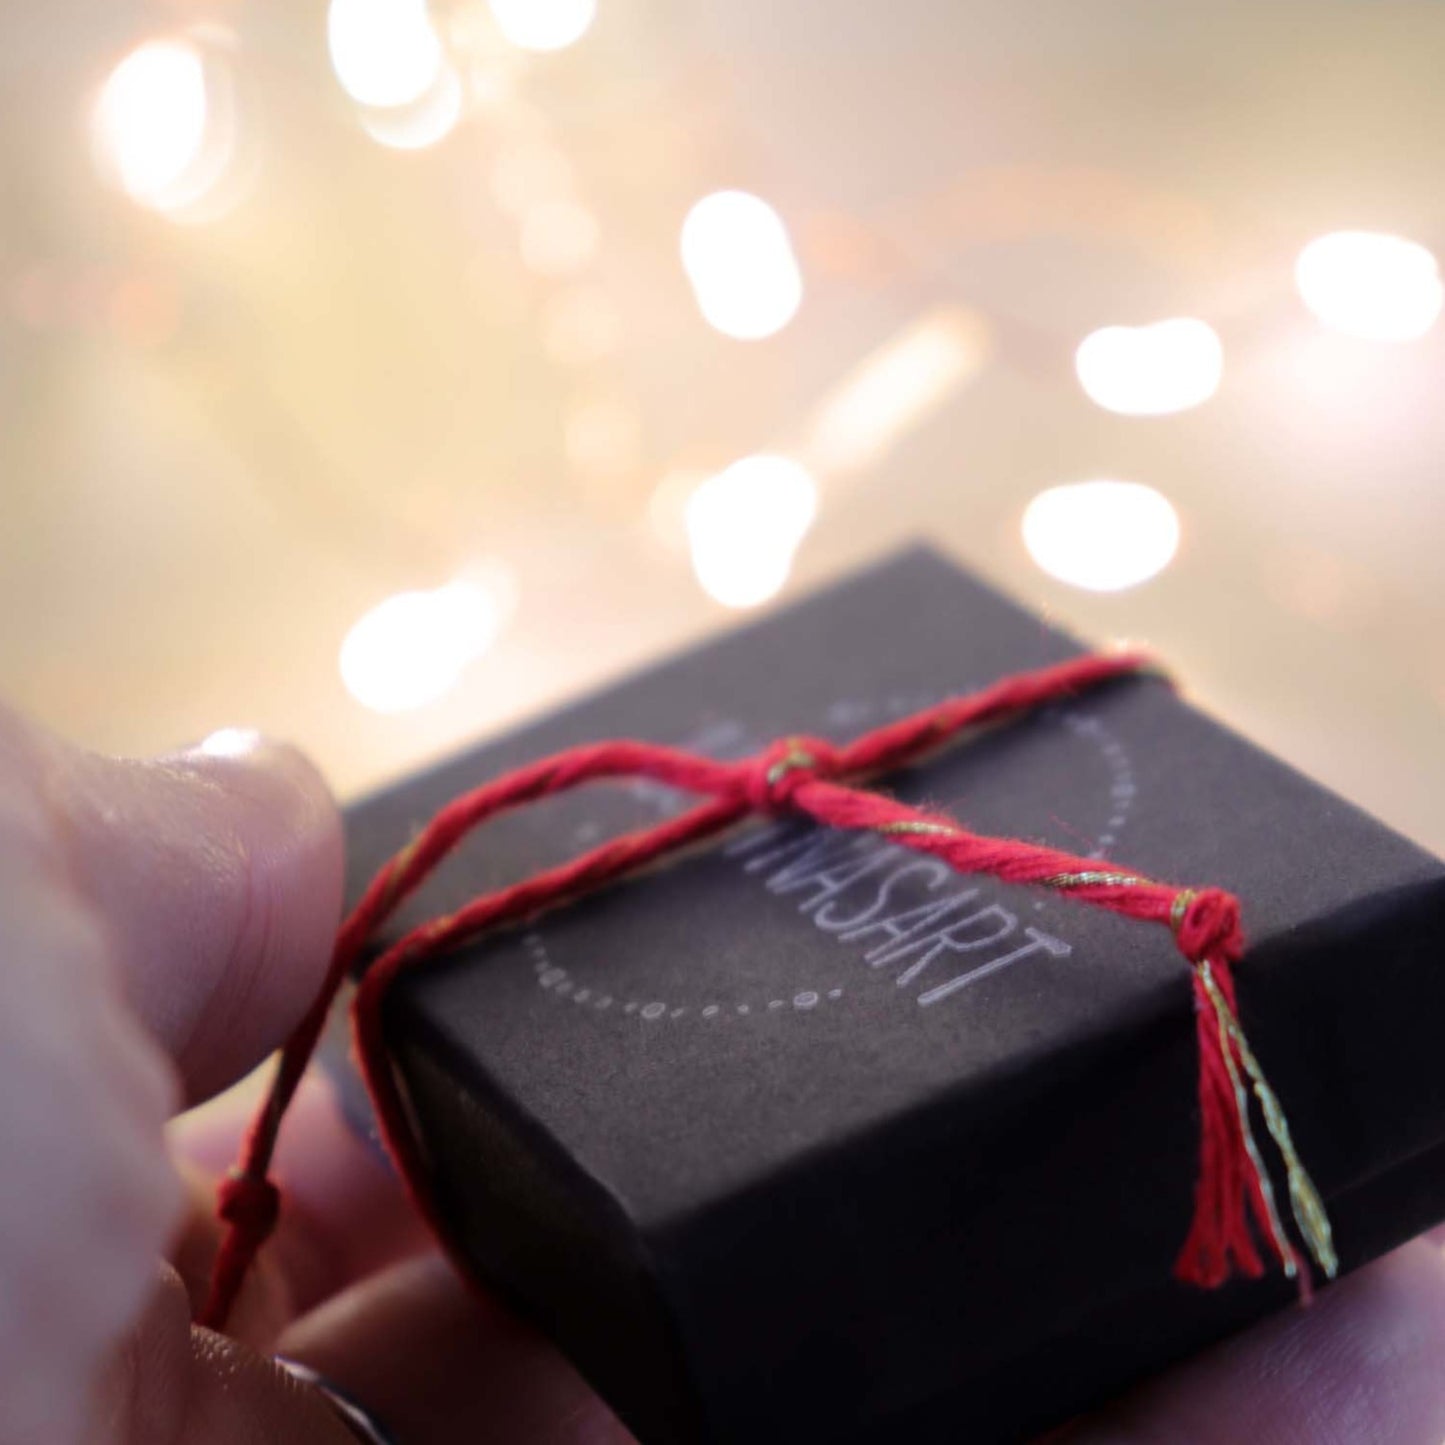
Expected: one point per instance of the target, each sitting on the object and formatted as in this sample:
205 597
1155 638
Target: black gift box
804 1138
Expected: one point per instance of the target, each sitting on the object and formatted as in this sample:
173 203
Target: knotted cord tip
784 767
250 1204
1207 925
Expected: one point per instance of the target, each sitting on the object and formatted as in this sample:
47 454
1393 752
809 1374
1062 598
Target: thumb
217 873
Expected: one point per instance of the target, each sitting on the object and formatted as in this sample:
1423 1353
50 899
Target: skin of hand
162 926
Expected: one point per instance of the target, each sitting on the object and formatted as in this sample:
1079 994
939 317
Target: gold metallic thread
941 830
1093 879
797 757
1305 1202
397 871
1241 1105
1180 907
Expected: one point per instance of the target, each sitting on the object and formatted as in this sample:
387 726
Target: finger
438 1365
1360 1367
346 1214
87 1196
172 1382
216 872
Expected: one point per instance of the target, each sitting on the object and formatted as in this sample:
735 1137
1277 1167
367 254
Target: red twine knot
1207 925
252 1205
785 766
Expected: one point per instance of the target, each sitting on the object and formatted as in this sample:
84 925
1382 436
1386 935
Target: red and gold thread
811 777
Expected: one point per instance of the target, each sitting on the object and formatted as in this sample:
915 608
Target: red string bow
811 777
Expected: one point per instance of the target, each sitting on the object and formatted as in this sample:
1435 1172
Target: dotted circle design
556 981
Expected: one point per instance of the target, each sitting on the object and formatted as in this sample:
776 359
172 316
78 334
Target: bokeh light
543 24
559 238
895 387
422 123
411 649
739 258
744 526
384 52
1151 370
603 438
1365 284
1312 582
580 325
143 310
667 507
153 123
528 172
1101 535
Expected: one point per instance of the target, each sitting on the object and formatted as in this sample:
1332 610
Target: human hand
1361 1366
162 926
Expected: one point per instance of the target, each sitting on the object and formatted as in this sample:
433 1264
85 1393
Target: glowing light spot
151 120
529 172
1103 536
424 122
896 387
580 326
144 311
1151 370
667 506
543 24
559 238
744 526
411 649
384 52
739 259
1309 581
1382 288
603 438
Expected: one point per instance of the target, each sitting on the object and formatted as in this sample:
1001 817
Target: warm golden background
304 308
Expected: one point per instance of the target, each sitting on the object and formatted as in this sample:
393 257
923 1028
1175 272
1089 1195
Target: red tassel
1219 1240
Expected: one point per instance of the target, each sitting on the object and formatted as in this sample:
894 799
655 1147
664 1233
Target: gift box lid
805 1131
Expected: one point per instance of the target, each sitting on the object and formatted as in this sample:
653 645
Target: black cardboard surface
770 1177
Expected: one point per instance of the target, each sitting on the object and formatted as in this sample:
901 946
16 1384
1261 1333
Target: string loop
816 779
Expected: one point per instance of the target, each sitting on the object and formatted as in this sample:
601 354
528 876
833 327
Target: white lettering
828 919
953 939
1040 943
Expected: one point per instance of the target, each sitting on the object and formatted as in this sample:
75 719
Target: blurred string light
739 258
602 436
1151 370
528 171
744 526
895 387
384 52
667 507
412 649
1312 583
558 238
164 123
1101 535
1365 284
422 123
580 326
543 24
